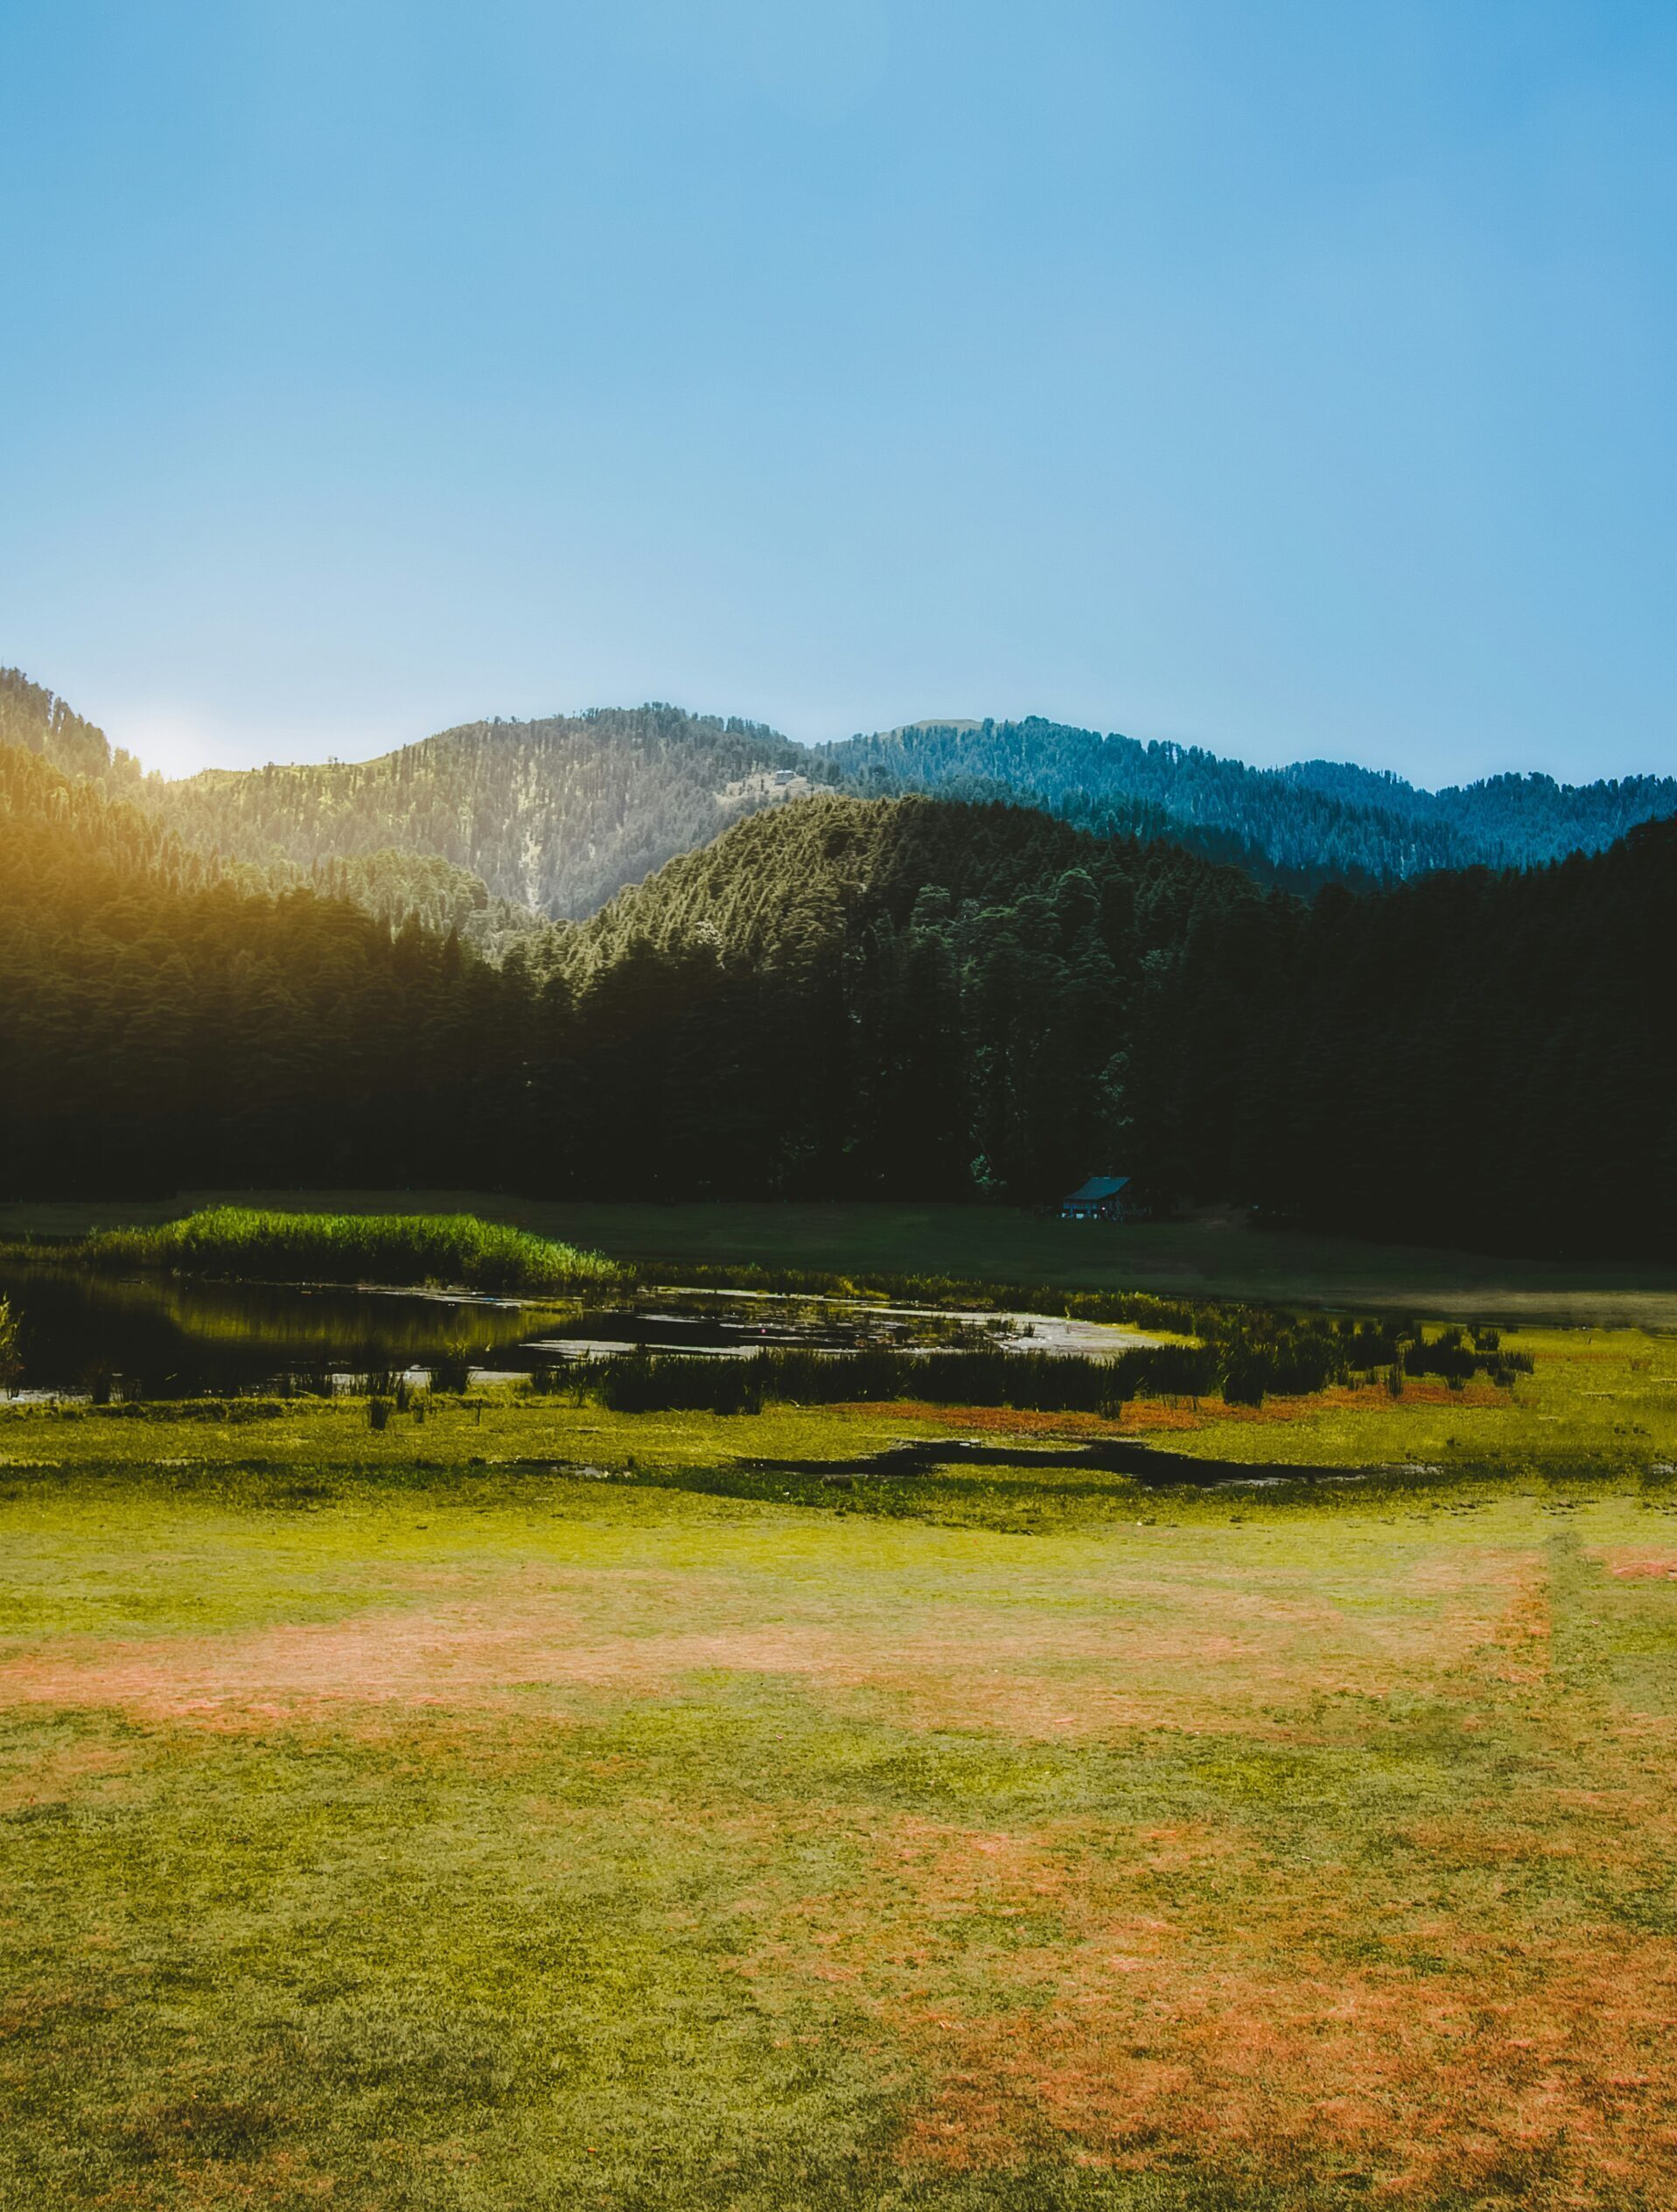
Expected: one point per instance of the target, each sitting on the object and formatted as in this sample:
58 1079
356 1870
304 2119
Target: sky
1295 379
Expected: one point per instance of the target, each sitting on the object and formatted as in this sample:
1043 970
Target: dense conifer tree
854 998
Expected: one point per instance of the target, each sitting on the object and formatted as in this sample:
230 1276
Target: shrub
1037 1382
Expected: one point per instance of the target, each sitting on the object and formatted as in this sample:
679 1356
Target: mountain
554 817
874 999
551 816
494 828
847 998
1317 821
920 997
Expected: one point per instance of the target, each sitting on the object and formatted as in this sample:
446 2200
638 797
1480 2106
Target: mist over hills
493 828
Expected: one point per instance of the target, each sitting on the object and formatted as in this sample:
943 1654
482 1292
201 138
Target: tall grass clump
445 1250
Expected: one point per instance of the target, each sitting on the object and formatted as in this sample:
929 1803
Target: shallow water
83 1333
162 1336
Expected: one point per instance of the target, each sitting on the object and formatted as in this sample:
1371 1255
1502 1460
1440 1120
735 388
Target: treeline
1314 822
919 1000
164 1027
845 998
35 719
1474 1056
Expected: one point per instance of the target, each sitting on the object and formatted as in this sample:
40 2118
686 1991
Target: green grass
524 1806
257 1243
1003 1245
461 1838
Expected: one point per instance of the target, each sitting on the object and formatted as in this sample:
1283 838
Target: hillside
846 998
924 998
162 1021
1314 822
554 817
551 816
495 826
875 998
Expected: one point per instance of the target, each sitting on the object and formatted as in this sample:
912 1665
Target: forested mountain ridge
926 998
493 826
877 998
1314 822
555 817
34 718
61 835
857 998
1509 820
780 884
552 816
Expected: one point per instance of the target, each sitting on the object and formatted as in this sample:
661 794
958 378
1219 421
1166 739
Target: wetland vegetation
253 1245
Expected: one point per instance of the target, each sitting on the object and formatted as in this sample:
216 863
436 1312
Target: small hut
1103 1198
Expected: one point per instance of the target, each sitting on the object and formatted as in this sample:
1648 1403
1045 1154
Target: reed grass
442 1250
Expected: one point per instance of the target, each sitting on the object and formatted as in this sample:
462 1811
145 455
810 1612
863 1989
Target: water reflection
160 1335
171 1337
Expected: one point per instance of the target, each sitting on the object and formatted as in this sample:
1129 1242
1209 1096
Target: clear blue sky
1293 378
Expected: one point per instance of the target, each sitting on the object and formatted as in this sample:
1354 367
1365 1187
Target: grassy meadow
526 1805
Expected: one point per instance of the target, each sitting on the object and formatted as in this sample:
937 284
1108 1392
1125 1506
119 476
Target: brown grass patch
1160 1414
1150 1639
58 1771
1525 1632
1638 1566
1176 1998
1366 1397
1048 1680
1552 2086
989 1420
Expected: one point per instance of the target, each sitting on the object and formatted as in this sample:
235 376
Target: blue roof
1096 1188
